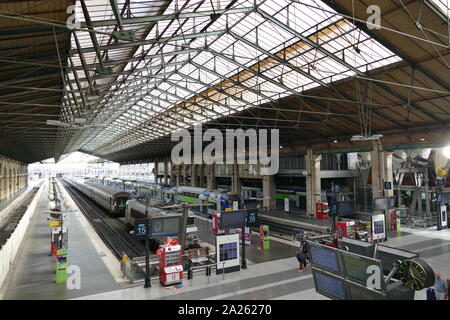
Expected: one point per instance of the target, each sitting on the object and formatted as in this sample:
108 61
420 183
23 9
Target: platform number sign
141 228
252 219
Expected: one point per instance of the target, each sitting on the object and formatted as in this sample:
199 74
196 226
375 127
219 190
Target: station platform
296 220
32 275
271 274
280 279
9 205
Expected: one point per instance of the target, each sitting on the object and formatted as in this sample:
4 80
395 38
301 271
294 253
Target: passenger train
218 200
112 200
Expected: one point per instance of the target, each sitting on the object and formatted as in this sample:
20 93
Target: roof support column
313 185
235 181
184 174
269 200
155 170
381 170
8 193
166 172
2 180
177 173
194 175
210 178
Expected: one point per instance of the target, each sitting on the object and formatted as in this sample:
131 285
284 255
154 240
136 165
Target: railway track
10 225
111 230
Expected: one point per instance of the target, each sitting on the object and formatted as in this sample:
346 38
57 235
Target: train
222 197
208 201
296 194
112 200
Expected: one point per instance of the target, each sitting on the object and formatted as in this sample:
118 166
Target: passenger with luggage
441 288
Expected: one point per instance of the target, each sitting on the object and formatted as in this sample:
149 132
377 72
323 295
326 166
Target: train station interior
224 150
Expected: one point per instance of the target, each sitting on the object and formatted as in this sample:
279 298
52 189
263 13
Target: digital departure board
342 208
358 292
360 268
165 226
232 219
324 257
329 285
380 203
252 218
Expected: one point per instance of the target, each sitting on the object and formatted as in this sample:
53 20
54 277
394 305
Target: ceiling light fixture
371 138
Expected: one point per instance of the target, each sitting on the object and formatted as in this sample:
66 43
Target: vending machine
170 262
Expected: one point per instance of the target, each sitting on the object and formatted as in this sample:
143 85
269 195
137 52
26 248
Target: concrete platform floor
281 280
33 273
270 274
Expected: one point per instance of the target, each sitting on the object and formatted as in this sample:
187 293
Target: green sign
264 237
61 266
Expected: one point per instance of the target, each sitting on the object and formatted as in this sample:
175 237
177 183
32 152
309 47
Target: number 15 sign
141 228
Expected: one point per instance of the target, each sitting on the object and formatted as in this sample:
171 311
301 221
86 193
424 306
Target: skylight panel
442 5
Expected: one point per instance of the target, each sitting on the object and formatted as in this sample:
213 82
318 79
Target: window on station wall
292 163
334 161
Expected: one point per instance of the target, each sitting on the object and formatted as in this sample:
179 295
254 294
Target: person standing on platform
336 240
301 258
441 288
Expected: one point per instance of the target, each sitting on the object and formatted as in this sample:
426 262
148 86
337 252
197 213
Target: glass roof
192 69
443 5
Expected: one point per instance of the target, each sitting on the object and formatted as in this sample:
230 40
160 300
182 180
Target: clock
416 274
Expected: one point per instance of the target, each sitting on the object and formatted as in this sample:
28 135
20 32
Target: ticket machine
322 210
345 229
170 262
215 222
58 239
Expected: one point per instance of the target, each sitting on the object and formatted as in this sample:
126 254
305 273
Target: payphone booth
170 262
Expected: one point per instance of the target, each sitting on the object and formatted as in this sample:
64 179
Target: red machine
215 222
345 229
170 262
394 220
322 210
56 242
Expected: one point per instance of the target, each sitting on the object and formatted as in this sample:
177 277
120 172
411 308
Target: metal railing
207 271
134 268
